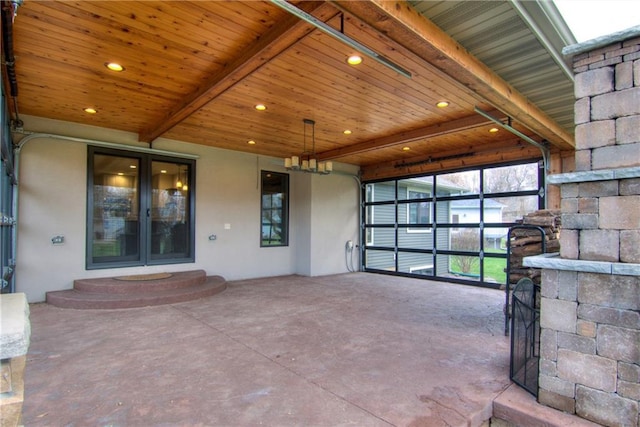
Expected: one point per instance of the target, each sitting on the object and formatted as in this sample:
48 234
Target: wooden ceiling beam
431 131
476 155
399 21
281 36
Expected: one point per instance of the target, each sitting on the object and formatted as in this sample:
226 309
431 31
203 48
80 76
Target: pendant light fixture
181 184
307 161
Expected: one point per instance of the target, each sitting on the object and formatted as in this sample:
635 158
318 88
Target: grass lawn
493 268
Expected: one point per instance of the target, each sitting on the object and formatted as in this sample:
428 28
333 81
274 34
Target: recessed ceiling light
113 66
163 171
346 132
120 173
493 130
354 60
260 107
406 148
442 104
90 110
133 166
251 142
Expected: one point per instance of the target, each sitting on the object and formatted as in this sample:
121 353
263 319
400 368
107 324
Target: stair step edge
519 407
113 285
72 298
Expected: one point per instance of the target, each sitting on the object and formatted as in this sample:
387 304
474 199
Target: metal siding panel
409 260
496 34
442 237
379 259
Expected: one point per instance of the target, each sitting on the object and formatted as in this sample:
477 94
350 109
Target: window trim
145 258
411 201
285 208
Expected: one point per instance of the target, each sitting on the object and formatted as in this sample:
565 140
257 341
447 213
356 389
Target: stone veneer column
590 305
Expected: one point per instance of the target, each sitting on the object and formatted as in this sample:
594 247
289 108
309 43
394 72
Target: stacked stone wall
590 305
590 345
607 108
600 220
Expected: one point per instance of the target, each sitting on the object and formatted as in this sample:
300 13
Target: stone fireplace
590 305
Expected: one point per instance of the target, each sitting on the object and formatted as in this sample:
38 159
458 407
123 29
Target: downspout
9 10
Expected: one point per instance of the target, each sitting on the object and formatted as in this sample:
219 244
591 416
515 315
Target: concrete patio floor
354 349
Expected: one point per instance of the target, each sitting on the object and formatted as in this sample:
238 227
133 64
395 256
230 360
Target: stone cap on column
554 262
15 327
595 175
603 41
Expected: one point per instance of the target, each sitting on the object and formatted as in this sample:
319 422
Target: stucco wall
328 236
52 201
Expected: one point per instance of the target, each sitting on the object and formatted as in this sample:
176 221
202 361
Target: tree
465 240
511 178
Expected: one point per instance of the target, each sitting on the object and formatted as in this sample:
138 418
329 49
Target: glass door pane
116 207
169 212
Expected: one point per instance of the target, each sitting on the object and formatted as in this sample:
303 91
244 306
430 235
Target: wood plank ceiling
194 70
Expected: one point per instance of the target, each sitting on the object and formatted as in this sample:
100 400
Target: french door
140 209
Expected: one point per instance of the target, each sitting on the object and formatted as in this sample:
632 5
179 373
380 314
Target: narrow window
419 212
455 219
274 209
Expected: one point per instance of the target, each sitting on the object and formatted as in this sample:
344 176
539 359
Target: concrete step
141 283
138 293
517 407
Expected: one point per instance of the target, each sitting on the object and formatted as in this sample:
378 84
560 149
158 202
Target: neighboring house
415 218
468 212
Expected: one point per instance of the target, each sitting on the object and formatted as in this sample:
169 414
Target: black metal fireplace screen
525 335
